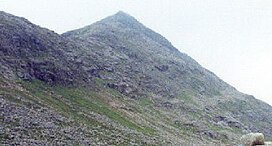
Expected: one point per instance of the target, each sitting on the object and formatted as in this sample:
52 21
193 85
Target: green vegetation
43 92
71 101
215 93
99 82
195 115
237 130
214 127
114 93
185 128
145 101
187 97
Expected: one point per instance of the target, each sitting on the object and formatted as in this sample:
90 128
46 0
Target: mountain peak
121 24
122 13
120 17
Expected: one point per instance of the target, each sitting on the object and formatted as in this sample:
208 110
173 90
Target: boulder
252 139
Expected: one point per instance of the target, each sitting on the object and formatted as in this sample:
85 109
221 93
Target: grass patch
215 93
114 92
71 101
42 91
186 97
194 115
185 128
99 82
91 102
215 128
236 130
145 101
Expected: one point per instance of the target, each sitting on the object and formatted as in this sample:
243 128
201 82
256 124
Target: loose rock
252 139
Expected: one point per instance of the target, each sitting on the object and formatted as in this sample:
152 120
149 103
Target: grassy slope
76 104
140 120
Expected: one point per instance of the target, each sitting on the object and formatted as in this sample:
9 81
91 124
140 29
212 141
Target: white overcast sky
232 38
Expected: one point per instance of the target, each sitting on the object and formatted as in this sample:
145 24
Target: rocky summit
114 82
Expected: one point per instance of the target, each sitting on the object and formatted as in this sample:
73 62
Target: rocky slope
31 52
148 60
114 82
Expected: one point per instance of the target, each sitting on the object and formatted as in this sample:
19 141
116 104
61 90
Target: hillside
114 82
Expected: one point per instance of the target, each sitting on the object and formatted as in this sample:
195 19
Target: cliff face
122 77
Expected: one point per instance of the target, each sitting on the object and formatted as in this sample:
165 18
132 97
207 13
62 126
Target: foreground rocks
254 139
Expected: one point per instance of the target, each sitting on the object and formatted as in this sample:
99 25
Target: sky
232 38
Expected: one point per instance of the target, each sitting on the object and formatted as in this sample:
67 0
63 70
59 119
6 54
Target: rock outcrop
254 139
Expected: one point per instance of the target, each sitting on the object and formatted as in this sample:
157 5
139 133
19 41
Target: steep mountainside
31 52
144 62
147 59
114 82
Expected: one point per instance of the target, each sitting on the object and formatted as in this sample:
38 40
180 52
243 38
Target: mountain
31 52
149 61
114 82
